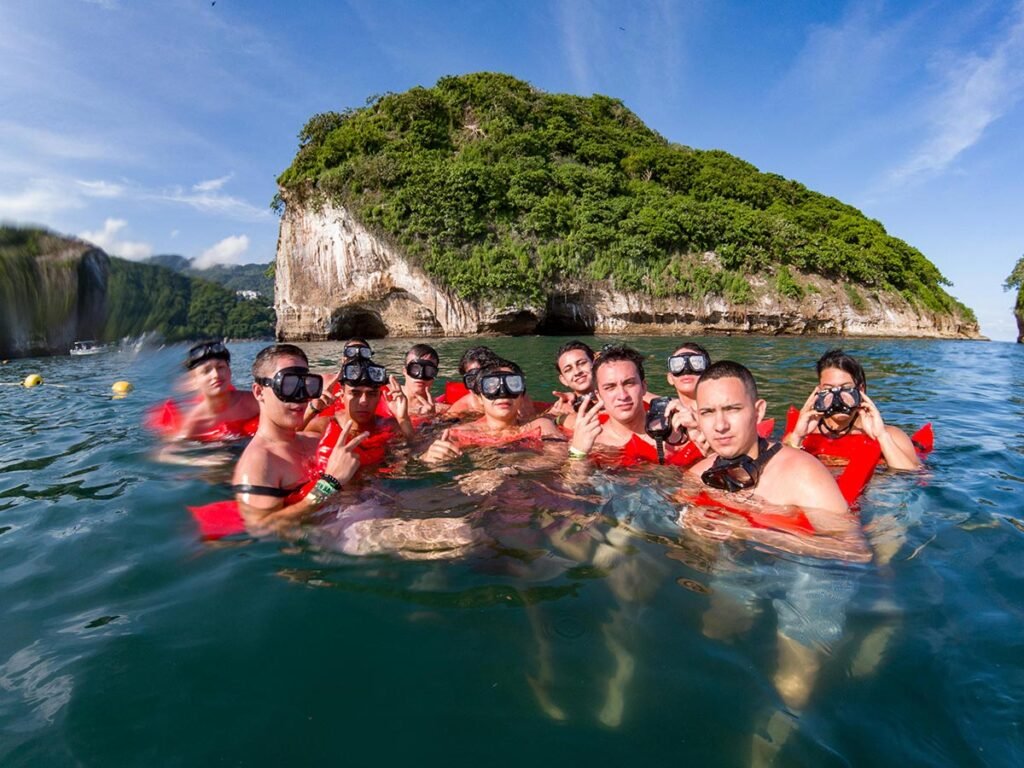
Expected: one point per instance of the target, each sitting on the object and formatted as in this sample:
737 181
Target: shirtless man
276 464
361 391
842 389
353 349
472 359
620 386
421 363
574 362
685 366
223 411
746 477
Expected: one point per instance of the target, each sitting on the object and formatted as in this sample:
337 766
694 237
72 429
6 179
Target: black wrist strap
331 480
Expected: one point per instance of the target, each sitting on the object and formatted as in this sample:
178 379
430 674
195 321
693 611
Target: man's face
212 377
361 404
837 377
574 371
728 416
621 390
418 385
686 383
285 415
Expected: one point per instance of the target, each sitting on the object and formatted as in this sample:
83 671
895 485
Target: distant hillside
56 289
234 277
502 192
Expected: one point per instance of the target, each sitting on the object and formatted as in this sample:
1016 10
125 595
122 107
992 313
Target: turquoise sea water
128 641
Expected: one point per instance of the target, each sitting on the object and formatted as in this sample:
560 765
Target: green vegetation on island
1015 281
502 191
257 278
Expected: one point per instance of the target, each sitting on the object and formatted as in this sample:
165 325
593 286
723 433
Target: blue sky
160 126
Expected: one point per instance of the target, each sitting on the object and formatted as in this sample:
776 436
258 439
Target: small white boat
88 348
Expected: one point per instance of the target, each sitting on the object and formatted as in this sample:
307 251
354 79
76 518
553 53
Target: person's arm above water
257 470
399 405
897 448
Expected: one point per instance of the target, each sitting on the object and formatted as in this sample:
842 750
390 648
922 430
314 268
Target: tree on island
1015 281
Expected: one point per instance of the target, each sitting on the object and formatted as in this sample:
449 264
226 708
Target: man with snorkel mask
840 406
274 468
421 366
779 496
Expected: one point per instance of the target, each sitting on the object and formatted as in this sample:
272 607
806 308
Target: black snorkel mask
207 350
422 369
495 386
362 373
659 428
294 385
741 472
688 362
357 352
837 401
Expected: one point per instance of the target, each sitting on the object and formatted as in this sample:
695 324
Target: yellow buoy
121 388
33 380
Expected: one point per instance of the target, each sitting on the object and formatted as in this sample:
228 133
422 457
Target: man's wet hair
694 346
571 346
495 364
421 351
480 355
727 369
617 353
836 358
263 365
356 340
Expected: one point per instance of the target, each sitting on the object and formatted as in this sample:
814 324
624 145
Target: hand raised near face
344 461
806 422
588 426
397 401
870 418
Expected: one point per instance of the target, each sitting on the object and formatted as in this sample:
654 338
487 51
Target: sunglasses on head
422 370
214 350
362 373
294 385
495 386
741 472
357 351
688 362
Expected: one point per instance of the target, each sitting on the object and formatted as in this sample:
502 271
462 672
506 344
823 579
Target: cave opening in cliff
351 323
568 316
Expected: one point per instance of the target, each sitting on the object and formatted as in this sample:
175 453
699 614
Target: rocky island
483 205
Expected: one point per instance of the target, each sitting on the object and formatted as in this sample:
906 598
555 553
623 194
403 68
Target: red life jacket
797 524
167 419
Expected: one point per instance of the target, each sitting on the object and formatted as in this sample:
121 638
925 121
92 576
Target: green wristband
576 453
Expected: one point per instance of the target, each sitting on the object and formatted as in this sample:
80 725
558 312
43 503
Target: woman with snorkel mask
839 405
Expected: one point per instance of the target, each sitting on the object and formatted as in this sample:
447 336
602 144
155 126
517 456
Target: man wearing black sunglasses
274 468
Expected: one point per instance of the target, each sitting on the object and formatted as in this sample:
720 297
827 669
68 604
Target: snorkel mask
688 362
207 350
837 401
357 352
294 385
659 428
495 386
361 373
422 369
741 472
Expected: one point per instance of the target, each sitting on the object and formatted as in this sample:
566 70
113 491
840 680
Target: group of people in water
312 433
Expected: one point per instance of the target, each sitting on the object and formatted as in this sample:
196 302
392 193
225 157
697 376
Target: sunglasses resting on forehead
688 362
294 385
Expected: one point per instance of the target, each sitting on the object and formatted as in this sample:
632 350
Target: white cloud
212 185
101 189
979 90
212 202
41 199
228 251
106 239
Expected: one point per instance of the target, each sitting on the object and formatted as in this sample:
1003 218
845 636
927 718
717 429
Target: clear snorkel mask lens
421 370
495 386
837 401
686 362
362 373
357 352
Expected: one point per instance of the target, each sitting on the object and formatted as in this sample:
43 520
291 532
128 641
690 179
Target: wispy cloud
978 90
228 251
39 200
211 202
107 239
212 185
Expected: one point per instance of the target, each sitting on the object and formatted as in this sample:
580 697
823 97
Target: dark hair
616 353
423 350
727 369
208 349
836 358
356 340
571 346
494 365
269 355
694 346
480 355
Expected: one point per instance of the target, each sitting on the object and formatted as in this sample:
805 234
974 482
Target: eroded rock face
336 279
1020 326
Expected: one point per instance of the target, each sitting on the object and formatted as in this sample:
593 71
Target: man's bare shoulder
255 464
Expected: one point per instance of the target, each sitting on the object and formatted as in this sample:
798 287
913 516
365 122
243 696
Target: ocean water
580 629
